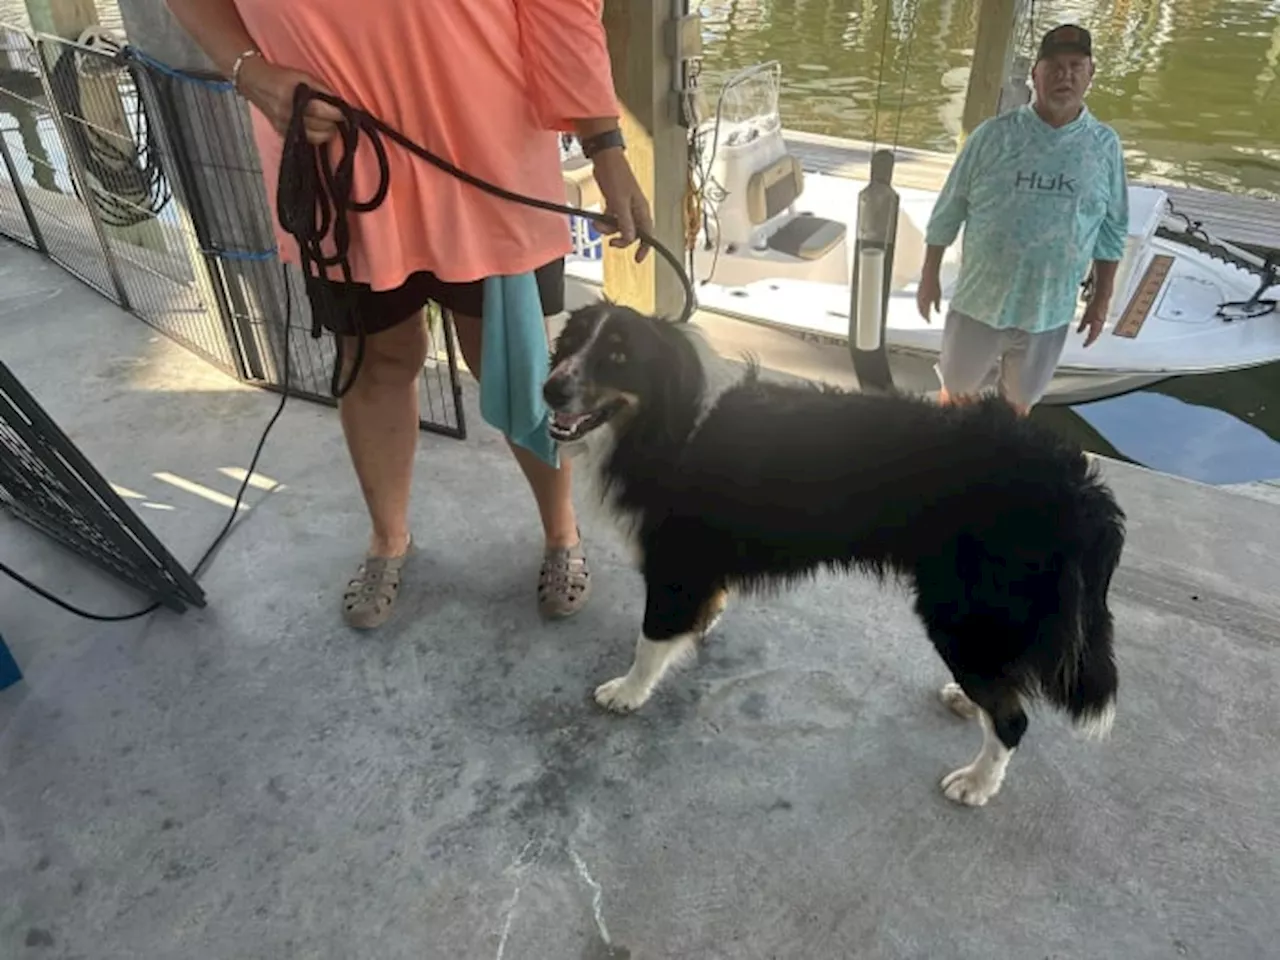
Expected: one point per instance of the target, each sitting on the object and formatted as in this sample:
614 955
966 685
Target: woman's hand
270 89
623 200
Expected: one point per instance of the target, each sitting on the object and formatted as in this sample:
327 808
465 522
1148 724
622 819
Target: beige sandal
370 596
564 583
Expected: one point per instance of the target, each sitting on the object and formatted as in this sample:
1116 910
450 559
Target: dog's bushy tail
1083 679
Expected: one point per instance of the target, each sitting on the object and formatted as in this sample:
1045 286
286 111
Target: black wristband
603 141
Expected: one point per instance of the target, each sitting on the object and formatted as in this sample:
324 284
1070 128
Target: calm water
1192 86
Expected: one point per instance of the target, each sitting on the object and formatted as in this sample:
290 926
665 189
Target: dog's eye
618 357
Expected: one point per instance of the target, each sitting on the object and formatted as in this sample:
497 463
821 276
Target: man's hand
929 294
623 200
270 89
1095 317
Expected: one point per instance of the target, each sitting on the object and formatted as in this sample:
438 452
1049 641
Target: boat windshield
747 106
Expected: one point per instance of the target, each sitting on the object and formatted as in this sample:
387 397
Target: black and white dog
1005 531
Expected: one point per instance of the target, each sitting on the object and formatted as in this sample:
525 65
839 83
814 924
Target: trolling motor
877 232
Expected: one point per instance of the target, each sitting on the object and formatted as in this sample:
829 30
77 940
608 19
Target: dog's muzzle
568 427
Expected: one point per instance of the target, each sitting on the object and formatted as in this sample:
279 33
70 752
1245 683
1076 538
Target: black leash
305 212
314 195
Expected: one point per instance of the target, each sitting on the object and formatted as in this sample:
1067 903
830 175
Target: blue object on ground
9 671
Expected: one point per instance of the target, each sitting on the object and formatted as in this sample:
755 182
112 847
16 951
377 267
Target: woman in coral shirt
488 85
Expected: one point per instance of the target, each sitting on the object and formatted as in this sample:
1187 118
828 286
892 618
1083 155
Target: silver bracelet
235 70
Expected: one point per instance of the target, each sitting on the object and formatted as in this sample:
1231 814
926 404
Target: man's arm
952 205
1109 247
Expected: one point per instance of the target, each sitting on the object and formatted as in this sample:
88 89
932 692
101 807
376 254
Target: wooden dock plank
1250 220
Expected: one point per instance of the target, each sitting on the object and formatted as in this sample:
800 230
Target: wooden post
992 56
657 148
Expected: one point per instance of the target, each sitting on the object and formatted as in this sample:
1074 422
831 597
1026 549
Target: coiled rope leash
313 196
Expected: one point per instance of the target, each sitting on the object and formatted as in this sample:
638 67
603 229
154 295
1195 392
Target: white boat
780 257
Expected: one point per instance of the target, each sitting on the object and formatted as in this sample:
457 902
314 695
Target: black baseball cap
1067 38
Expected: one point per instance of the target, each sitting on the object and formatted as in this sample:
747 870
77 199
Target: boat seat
807 237
771 192
580 187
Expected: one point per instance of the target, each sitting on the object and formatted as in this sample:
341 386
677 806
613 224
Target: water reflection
1189 84
1220 428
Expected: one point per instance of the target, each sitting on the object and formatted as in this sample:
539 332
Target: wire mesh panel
128 184
218 162
40 170
17 220
46 481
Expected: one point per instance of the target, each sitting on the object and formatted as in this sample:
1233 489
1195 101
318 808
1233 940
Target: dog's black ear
680 382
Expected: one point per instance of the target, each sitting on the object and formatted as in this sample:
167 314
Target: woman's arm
570 84
566 65
217 28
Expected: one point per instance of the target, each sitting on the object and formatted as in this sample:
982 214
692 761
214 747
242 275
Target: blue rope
251 255
131 52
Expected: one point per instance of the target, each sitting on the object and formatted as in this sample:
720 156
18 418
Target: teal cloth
515 363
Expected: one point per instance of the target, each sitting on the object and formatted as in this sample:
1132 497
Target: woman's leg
564 582
552 487
379 416
380 421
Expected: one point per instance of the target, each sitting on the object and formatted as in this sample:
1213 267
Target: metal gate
216 157
145 182
46 481
41 179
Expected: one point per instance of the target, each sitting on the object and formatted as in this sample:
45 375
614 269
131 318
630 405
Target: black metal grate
213 141
17 220
46 481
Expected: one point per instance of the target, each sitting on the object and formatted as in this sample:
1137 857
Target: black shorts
381 310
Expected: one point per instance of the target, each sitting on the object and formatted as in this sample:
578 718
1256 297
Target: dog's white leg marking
653 659
977 783
957 701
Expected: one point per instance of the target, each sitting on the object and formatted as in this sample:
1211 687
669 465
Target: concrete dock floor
253 780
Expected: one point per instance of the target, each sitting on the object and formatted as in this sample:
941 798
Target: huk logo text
1057 183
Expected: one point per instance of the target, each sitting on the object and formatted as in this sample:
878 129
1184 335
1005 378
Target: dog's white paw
620 696
957 701
973 785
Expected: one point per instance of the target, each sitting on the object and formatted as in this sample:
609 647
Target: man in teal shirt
1041 192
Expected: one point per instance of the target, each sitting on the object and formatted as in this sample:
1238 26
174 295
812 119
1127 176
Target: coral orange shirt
485 84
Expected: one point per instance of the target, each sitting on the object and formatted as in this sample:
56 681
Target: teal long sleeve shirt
1038 204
